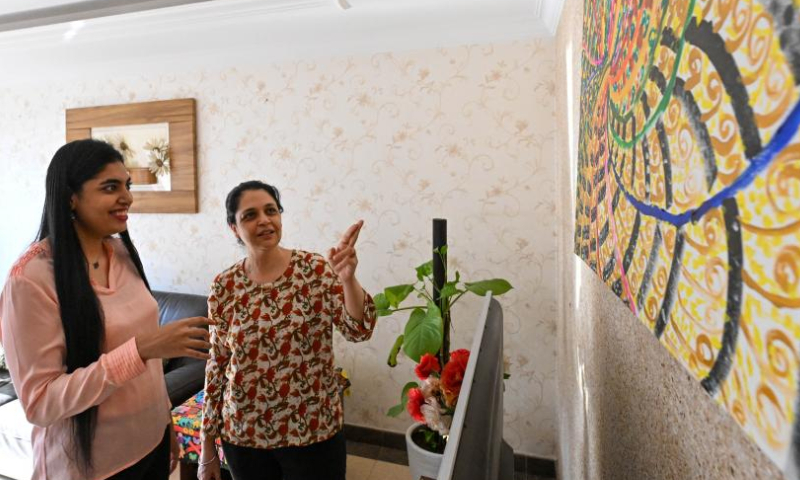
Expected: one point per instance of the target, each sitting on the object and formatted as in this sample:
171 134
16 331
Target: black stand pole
439 279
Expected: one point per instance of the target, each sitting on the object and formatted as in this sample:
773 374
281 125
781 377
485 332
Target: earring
72 215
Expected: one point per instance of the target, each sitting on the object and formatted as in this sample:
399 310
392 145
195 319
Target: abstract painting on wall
688 192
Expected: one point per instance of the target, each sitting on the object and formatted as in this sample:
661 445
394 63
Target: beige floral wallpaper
461 133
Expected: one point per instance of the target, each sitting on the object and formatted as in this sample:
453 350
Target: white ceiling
14 6
77 38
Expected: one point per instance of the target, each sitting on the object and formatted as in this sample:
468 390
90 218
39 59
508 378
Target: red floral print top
270 381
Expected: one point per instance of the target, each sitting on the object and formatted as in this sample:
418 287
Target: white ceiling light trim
244 32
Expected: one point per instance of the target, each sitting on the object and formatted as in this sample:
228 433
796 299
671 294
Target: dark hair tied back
232 201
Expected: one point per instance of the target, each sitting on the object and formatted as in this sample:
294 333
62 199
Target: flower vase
421 462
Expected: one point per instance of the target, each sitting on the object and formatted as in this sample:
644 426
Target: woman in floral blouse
271 392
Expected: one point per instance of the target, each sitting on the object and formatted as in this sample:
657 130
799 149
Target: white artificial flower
434 418
430 387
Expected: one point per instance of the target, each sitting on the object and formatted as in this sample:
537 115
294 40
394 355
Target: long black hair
81 313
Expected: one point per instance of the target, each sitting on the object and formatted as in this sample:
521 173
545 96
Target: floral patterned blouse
270 381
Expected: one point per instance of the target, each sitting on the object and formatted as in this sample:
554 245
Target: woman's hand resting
181 338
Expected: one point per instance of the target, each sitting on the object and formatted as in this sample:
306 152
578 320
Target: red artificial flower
453 375
460 355
415 401
427 365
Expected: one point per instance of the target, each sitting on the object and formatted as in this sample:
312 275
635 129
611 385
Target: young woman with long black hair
81 334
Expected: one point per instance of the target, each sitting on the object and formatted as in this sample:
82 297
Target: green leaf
392 361
442 251
498 286
396 294
381 305
424 270
449 289
401 407
423 333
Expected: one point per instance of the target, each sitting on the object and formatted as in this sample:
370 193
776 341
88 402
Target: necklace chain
96 263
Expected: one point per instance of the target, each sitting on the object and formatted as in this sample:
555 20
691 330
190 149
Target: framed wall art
157 141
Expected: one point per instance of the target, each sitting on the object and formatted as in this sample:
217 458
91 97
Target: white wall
462 133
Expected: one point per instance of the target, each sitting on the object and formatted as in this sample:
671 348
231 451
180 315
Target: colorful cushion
187 419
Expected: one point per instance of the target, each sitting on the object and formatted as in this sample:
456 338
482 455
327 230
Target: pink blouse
133 404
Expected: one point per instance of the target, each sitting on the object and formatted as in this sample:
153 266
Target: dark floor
400 457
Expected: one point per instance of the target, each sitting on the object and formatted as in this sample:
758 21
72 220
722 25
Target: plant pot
142 176
420 461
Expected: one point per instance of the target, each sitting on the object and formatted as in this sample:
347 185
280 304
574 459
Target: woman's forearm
209 449
354 298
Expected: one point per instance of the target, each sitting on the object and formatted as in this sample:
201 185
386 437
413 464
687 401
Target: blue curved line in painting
782 137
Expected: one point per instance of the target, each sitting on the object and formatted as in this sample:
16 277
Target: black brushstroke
647 277
658 78
603 234
786 24
609 268
601 195
665 162
733 308
668 39
646 151
672 285
702 36
700 130
633 156
628 258
616 287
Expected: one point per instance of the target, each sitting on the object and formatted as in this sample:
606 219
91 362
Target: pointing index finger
354 235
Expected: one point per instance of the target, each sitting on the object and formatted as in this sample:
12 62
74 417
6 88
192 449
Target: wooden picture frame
180 116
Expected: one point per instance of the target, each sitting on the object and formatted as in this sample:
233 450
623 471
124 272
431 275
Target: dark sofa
184 375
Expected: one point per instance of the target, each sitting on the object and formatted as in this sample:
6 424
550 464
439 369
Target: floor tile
359 468
389 471
365 450
393 455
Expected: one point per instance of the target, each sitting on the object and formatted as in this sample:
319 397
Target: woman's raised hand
343 257
181 338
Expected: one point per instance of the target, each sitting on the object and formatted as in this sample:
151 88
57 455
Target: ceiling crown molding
218 33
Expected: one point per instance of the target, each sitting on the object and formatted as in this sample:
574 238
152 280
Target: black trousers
154 466
319 461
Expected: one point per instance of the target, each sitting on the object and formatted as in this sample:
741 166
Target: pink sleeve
32 335
123 363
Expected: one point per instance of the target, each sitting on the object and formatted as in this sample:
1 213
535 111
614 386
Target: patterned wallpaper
462 133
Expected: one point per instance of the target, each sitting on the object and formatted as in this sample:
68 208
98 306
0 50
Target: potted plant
431 401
